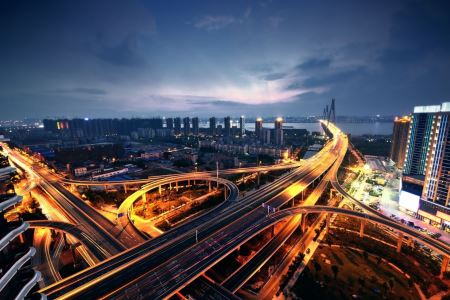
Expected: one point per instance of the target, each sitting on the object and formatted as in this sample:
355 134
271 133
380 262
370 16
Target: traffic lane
201 221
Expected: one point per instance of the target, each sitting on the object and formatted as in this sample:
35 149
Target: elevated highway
112 239
209 252
77 232
125 209
235 219
150 179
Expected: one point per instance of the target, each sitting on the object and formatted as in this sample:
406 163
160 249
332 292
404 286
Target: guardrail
12 235
10 202
30 284
15 267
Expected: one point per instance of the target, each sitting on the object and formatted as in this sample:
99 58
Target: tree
335 270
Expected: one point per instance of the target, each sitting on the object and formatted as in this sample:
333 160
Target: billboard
409 201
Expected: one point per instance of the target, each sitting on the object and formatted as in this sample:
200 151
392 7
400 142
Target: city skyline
218 149
145 58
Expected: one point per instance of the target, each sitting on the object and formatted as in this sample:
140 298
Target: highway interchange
134 266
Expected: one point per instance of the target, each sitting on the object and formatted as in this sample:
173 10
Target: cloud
418 30
275 21
214 22
126 53
314 64
210 22
81 90
274 76
327 79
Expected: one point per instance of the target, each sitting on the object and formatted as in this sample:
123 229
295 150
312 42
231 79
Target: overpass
77 232
124 210
206 256
133 266
177 238
75 208
75 182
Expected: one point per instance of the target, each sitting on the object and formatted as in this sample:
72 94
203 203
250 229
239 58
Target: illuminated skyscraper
241 126
400 140
258 128
437 176
279 131
212 126
195 128
426 176
421 129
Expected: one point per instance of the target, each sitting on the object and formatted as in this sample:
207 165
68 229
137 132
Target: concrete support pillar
272 230
328 222
21 238
209 186
303 195
293 202
399 242
170 186
444 266
65 239
144 197
225 191
106 187
188 183
176 185
125 189
361 228
159 189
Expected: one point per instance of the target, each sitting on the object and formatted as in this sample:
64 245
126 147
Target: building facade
212 126
186 126
241 126
399 140
195 126
227 127
177 125
278 132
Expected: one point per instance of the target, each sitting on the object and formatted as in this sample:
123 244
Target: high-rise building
212 126
422 126
266 135
177 125
227 126
95 128
195 128
169 123
258 128
437 175
186 126
400 140
241 126
426 175
279 131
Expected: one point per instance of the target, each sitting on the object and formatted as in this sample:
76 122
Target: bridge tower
329 113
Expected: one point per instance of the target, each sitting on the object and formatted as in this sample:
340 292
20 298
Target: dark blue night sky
149 58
